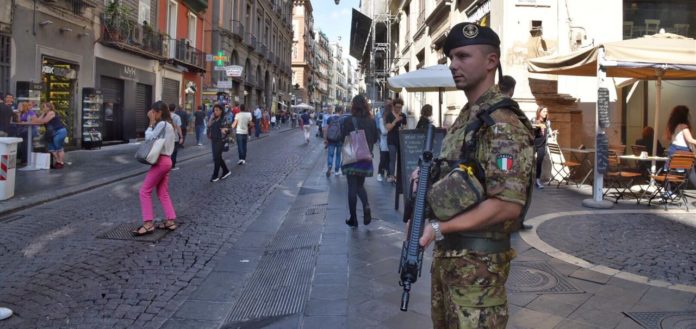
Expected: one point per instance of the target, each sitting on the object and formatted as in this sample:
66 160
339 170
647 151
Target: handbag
149 151
355 147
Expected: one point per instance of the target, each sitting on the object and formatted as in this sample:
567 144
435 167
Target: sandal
144 230
169 224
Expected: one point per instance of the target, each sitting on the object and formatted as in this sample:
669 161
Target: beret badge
470 31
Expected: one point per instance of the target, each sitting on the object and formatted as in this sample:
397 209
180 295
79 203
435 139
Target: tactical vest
487 241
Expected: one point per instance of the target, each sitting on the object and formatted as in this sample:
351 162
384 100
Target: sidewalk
88 169
307 269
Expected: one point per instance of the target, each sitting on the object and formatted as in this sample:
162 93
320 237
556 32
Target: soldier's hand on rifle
414 179
428 236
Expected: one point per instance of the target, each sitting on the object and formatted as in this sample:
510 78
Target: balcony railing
189 55
262 50
237 29
128 35
250 40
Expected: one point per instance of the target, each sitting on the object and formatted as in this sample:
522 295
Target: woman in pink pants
158 176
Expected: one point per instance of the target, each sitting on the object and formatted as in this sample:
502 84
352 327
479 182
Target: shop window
59 79
645 17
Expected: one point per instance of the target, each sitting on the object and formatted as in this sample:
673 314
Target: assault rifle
412 252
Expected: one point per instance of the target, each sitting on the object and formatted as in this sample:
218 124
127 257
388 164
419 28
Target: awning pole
597 200
439 93
658 101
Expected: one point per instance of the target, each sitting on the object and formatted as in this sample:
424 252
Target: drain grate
664 320
307 190
279 286
294 241
123 232
538 277
316 210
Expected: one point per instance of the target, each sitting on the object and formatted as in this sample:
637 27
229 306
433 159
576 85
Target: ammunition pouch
455 193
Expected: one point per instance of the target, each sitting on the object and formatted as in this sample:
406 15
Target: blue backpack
334 132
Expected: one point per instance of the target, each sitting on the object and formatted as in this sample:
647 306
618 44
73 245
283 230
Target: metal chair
627 29
561 170
618 179
638 149
672 182
681 29
652 26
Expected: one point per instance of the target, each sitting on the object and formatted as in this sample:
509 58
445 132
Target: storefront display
59 79
92 118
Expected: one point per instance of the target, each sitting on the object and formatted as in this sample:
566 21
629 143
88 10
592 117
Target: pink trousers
157 177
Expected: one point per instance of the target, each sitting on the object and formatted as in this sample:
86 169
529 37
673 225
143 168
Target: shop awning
634 58
360 26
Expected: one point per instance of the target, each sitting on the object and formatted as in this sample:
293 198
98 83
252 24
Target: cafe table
582 156
652 171
31 166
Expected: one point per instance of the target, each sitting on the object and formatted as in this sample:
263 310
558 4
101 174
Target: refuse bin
8 165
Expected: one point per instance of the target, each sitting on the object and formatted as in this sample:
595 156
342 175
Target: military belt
483 245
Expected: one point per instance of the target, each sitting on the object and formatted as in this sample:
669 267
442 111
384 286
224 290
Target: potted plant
116 20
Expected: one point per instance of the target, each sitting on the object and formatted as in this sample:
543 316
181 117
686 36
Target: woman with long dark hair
56 130
356 172
158 175
542 128
218 137
678 130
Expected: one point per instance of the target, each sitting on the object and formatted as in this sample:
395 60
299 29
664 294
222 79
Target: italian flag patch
504 162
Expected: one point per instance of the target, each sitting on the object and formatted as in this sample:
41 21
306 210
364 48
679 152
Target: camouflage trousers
468 291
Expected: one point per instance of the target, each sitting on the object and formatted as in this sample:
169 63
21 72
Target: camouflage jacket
504 150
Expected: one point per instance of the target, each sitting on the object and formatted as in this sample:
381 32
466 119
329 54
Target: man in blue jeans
332 141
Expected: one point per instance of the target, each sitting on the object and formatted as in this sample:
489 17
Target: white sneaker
200 144
176 168
379 178
338 173
5 313
243 162
240 162
226 175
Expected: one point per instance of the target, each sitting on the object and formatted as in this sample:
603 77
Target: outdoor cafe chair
561 170
617 179
672 182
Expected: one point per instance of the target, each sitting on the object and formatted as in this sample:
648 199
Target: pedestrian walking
425 120
472 254
158 175
333 142
55 133
357 171
258 116
383 168
395 120
176 121
199 121
6 114
542 128
218 130
184 124
305 123
242 123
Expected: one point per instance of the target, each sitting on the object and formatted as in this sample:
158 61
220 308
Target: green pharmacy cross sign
220 58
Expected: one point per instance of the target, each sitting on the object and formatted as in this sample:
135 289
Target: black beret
466 34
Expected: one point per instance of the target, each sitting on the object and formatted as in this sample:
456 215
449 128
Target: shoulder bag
149 151
355 146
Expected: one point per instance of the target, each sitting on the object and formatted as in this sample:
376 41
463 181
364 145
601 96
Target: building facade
303 61
534 28
251 48
323 61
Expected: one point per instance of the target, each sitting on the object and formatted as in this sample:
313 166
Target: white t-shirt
243 119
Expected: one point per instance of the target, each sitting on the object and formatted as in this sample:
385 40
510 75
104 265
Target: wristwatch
436 228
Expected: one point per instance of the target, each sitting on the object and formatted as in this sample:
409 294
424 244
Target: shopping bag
149 151
41 160
355 146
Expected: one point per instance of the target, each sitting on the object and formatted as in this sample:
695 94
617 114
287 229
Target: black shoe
527 227
367 216
352 222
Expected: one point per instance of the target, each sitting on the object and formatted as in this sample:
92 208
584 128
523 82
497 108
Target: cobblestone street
57 274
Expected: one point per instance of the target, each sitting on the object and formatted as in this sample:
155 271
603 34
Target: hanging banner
234 71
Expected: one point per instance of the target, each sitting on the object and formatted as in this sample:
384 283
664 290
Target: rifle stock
412 252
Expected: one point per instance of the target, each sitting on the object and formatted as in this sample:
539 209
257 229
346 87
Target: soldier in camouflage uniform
472 254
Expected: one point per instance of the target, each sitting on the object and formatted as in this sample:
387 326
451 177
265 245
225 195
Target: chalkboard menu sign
411 143
602 153
603 107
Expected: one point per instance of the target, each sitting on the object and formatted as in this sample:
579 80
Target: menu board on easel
92 118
